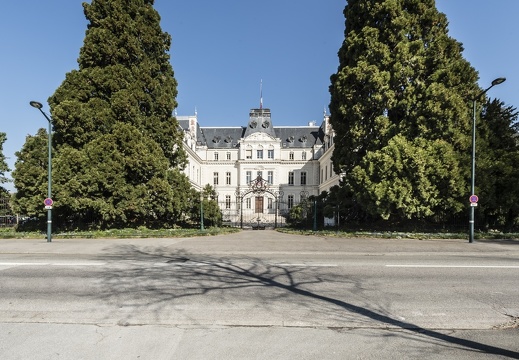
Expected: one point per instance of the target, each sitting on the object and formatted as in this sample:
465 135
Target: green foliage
212 213
297 215
409 179
31 176
126 233
124 76
309 210
496 169
3 165
119 179
118 152
399 109
208 198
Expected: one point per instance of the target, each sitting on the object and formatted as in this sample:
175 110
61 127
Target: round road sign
48 202
474 198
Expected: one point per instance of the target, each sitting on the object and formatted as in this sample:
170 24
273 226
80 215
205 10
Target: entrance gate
262 205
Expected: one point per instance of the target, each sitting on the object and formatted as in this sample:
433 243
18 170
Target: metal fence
256 212
6 218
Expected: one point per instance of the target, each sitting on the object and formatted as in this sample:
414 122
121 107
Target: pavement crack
512 323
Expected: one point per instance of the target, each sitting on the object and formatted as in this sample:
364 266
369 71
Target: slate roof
228 137
222 137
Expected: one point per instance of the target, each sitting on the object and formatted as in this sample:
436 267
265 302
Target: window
259 154
291 155
248 177
259 174
216 156
291 178
215 178
303 155
227 201
290 201
321 179
270 203
248 203
228 178
326 173
270 177
248 154
303 178
331 169
271 154
228 156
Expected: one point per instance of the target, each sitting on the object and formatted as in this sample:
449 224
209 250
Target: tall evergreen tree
30 175
124 76
399 106
3 165
497 167
118 180
117 147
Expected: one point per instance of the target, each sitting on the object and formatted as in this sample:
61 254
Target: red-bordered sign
48 202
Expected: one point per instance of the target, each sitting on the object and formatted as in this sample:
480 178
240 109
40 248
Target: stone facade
293 161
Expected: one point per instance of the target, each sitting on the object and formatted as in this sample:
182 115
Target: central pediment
258 136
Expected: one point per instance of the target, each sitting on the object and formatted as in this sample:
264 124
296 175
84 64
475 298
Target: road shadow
140 283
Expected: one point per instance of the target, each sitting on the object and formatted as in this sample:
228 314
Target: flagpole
261 94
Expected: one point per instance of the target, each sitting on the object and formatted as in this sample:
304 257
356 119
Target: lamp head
498 81
36 104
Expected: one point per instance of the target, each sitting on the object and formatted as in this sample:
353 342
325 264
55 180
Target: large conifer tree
497 167
118 147
124 76
400 109
30 175
3 165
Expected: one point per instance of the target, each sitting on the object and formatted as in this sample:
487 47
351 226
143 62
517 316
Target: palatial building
259 171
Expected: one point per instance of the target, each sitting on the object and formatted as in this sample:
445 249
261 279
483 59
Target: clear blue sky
221 51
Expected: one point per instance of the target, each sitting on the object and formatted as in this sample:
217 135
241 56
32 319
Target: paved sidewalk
258 241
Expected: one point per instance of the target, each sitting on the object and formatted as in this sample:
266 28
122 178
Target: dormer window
266 124
216 139
253 124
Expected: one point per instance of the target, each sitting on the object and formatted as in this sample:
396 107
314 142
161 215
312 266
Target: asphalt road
259 295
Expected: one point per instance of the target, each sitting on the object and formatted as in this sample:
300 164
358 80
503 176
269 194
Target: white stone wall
315 162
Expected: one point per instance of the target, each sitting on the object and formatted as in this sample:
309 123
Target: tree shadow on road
140 283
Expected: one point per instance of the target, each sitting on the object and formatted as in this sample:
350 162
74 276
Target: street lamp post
201 211
38 106
315 214
473 157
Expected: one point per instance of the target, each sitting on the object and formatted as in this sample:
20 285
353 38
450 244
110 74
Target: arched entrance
259 205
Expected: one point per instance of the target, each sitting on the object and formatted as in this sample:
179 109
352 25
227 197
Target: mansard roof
298 136
222 137
289 136
229 137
